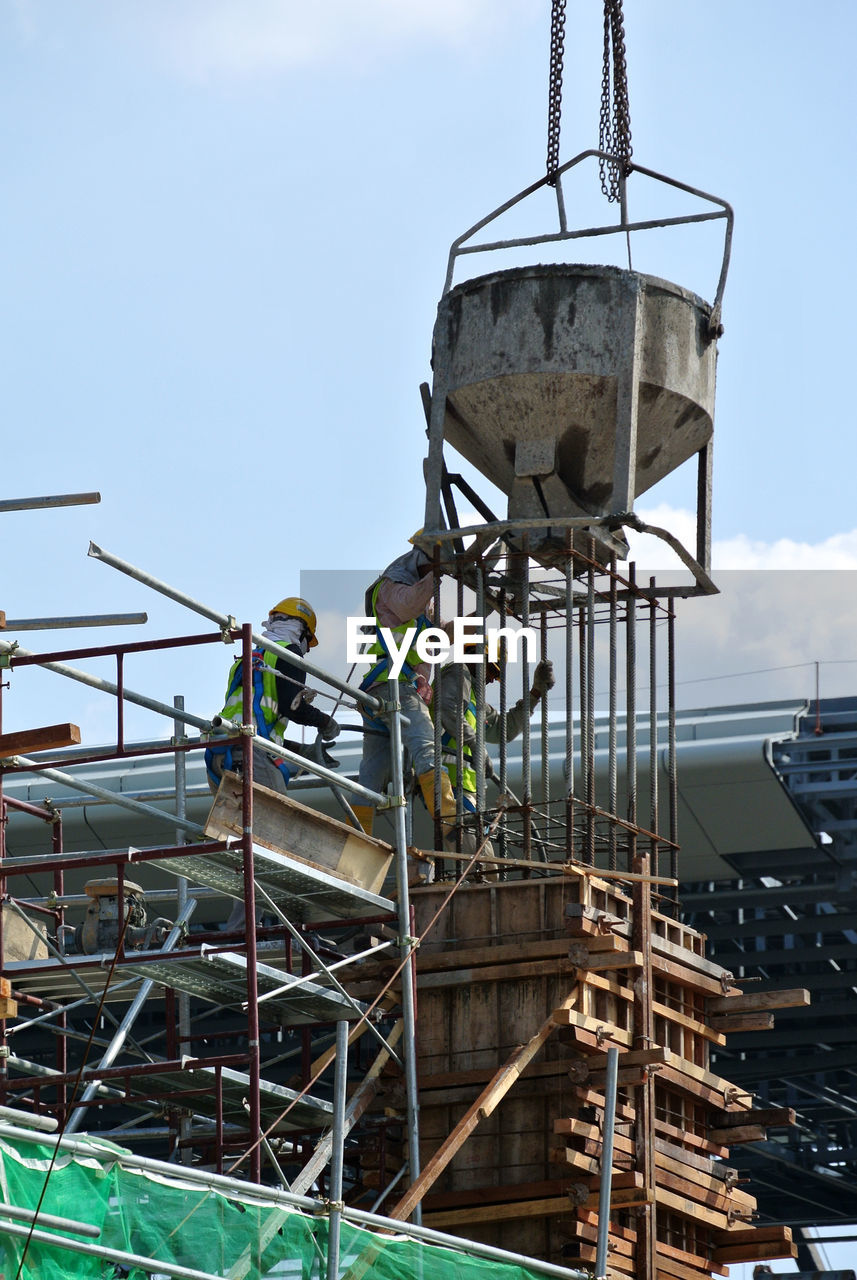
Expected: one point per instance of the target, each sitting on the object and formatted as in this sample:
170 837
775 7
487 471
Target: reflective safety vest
449 747
269 723
412 659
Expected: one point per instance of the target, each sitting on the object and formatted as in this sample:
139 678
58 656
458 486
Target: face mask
286 631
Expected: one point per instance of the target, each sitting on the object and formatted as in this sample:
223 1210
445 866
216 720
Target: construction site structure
525 1029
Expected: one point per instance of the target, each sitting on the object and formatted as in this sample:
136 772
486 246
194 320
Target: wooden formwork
511 1137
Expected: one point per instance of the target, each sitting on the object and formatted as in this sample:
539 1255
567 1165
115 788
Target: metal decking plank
307 892
221 978
307 1111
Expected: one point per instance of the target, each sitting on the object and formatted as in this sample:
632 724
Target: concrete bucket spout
575 388
539 362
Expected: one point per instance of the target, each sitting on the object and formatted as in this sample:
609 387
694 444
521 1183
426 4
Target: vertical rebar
653 724
334 1190
612 769
437 698
569 698
479 684
459 732
673 761
582 654
406 951
545 741
526 783
631 709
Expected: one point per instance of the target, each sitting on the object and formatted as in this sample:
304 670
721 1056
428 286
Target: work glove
543 677
330 729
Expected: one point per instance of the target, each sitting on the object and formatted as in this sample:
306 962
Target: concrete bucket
574 388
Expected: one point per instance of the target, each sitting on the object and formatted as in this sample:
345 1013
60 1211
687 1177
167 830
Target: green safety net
173 1221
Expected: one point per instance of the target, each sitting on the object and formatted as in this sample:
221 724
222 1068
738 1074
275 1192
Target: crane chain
614 135
555 89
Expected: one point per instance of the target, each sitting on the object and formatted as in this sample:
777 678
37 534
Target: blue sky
223 236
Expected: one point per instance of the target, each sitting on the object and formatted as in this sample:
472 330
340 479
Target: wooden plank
734 1137
702 1164
678 1079
473 957
488 1100
753 1252
671 1269
689 977
626 1077
742 1022
497 1212
497 973
46 739
690 1024
711 1197
708 1078
692 1209
633 1058
768 1116
583 958
602 1029
779 1233
561 868
752 1001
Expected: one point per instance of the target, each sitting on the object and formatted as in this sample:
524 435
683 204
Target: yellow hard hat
295 607
413 538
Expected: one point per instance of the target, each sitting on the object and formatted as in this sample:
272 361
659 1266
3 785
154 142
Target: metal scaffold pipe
115 1047
227 622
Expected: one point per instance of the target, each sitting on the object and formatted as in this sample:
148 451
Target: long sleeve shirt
397 604
289 688
456 688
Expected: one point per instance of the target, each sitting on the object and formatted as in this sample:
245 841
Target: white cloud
243 37
741 552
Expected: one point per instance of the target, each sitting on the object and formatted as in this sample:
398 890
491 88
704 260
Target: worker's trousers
417 737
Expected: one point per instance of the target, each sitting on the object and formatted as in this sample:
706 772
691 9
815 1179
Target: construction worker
457 705
279 696
401 598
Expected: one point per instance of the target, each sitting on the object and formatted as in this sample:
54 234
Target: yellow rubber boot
447 801
365 815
